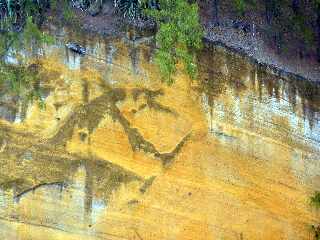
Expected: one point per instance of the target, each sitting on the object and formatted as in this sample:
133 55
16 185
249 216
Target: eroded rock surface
116 154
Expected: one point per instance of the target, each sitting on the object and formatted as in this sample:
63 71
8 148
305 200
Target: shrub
179 37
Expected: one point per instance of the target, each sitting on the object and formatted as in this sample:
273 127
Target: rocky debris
252 46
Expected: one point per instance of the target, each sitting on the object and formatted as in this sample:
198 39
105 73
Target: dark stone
75 47
243 26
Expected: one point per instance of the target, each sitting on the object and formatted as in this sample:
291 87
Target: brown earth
256 45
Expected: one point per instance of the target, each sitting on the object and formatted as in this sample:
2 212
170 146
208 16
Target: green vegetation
19 20
68 13
18 10
179 37
32 34
21 81
240 6
315 201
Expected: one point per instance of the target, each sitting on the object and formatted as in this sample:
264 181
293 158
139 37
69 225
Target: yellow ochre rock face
117 154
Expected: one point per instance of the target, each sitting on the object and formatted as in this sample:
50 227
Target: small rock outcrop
75 47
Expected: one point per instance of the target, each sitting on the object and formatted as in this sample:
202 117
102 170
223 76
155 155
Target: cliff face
116 154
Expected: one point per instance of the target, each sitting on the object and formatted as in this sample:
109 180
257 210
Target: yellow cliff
118 154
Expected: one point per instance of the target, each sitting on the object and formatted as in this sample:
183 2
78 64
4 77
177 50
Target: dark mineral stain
150 98
90 115
147 184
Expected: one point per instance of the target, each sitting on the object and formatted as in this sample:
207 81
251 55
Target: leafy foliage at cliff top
20 79
179 37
